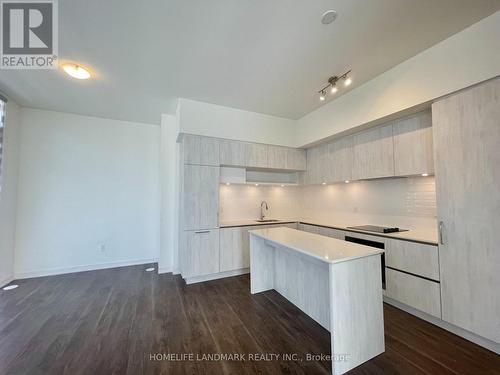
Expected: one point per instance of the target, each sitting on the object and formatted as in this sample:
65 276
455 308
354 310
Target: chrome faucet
262 204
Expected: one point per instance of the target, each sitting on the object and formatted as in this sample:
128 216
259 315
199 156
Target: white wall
8 194
169 177
242 202
464 59
86 182
230 123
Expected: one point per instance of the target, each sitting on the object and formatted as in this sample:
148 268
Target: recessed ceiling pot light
328 17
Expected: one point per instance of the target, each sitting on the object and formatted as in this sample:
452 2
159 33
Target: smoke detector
328 17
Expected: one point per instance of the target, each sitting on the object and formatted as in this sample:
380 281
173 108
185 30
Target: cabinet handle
441 226
202 231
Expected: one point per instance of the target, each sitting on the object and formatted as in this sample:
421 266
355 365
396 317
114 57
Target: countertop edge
327 261
325 225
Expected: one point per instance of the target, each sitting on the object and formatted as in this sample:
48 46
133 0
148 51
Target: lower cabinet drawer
200 252
413 291
419 259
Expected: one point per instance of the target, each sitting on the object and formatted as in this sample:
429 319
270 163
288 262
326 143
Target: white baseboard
6 281
215 276
164 270
481 341
90 267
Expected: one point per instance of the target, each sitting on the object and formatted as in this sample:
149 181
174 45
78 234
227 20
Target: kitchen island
336 283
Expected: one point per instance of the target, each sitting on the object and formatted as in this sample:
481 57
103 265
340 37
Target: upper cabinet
199 150
340 157
255 155
317 165
399 148
279 157
276 157
296 159
232 153
373 153
200 197
413 145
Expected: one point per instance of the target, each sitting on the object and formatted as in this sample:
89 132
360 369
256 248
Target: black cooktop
375 228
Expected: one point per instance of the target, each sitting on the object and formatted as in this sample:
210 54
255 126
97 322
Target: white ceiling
258 55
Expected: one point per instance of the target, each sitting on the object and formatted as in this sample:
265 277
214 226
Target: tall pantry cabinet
466 130
199 229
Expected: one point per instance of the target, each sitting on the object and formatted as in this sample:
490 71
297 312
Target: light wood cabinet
308 228
200 197
413 291
199 150
331 232
200 255
419 259
296 159
373 153
277 157
235 245
255 155
317 165
413 153
466 129
340 160
232 153
234 248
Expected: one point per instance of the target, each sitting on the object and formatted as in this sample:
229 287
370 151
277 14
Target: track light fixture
332 84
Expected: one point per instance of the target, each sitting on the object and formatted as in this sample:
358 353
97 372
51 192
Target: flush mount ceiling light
328 17
332 84
76 71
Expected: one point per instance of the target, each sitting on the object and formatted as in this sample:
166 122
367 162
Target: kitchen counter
416 234
336 283
254 222
326 249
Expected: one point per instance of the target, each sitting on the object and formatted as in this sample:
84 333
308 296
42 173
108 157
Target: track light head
332 85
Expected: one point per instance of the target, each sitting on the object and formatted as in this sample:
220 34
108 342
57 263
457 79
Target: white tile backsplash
404 202
241 202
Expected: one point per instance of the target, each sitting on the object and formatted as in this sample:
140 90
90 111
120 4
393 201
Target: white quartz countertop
326 249
252 222
429 236
413 234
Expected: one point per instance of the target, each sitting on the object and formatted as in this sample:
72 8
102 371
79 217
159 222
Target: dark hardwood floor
115 321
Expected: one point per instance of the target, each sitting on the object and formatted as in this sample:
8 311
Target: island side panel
356 312
261 265
303 280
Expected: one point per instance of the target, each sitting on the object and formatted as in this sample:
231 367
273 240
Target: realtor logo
28 34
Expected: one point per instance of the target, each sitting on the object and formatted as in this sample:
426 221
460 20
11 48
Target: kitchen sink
266 220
